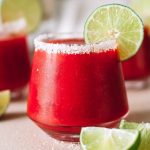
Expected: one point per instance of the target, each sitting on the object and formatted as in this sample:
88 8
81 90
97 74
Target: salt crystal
71 48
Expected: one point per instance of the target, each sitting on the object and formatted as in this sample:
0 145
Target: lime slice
129 125
143 9
30 10
115 21
4 101
95 138
144 128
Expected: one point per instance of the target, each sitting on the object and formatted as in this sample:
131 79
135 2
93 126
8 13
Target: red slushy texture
14 63
76 89
138 67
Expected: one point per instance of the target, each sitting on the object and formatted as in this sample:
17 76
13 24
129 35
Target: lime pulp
30 10
4 101
96 138
115 21
144 128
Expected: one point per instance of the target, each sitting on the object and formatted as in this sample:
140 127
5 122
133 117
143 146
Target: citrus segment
115 21
4 101
30 10
144 128
142 7
96 138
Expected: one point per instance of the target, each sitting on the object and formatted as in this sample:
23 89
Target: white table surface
18 132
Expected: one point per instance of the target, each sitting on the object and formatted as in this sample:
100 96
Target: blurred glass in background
17 20
14 58
137 69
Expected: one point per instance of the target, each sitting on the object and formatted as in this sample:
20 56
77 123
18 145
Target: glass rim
13 27
73 48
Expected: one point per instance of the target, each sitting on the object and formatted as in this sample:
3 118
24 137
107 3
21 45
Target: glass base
71 134
19 93
63 136
137 84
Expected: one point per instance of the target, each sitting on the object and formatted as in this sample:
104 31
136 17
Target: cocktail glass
14 58
137 69
74 85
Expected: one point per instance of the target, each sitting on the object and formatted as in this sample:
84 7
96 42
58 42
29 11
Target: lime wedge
144 128
4 101
143 9
95 138
30 10
115 21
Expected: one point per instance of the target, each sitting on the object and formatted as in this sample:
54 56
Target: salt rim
50 48
13 26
